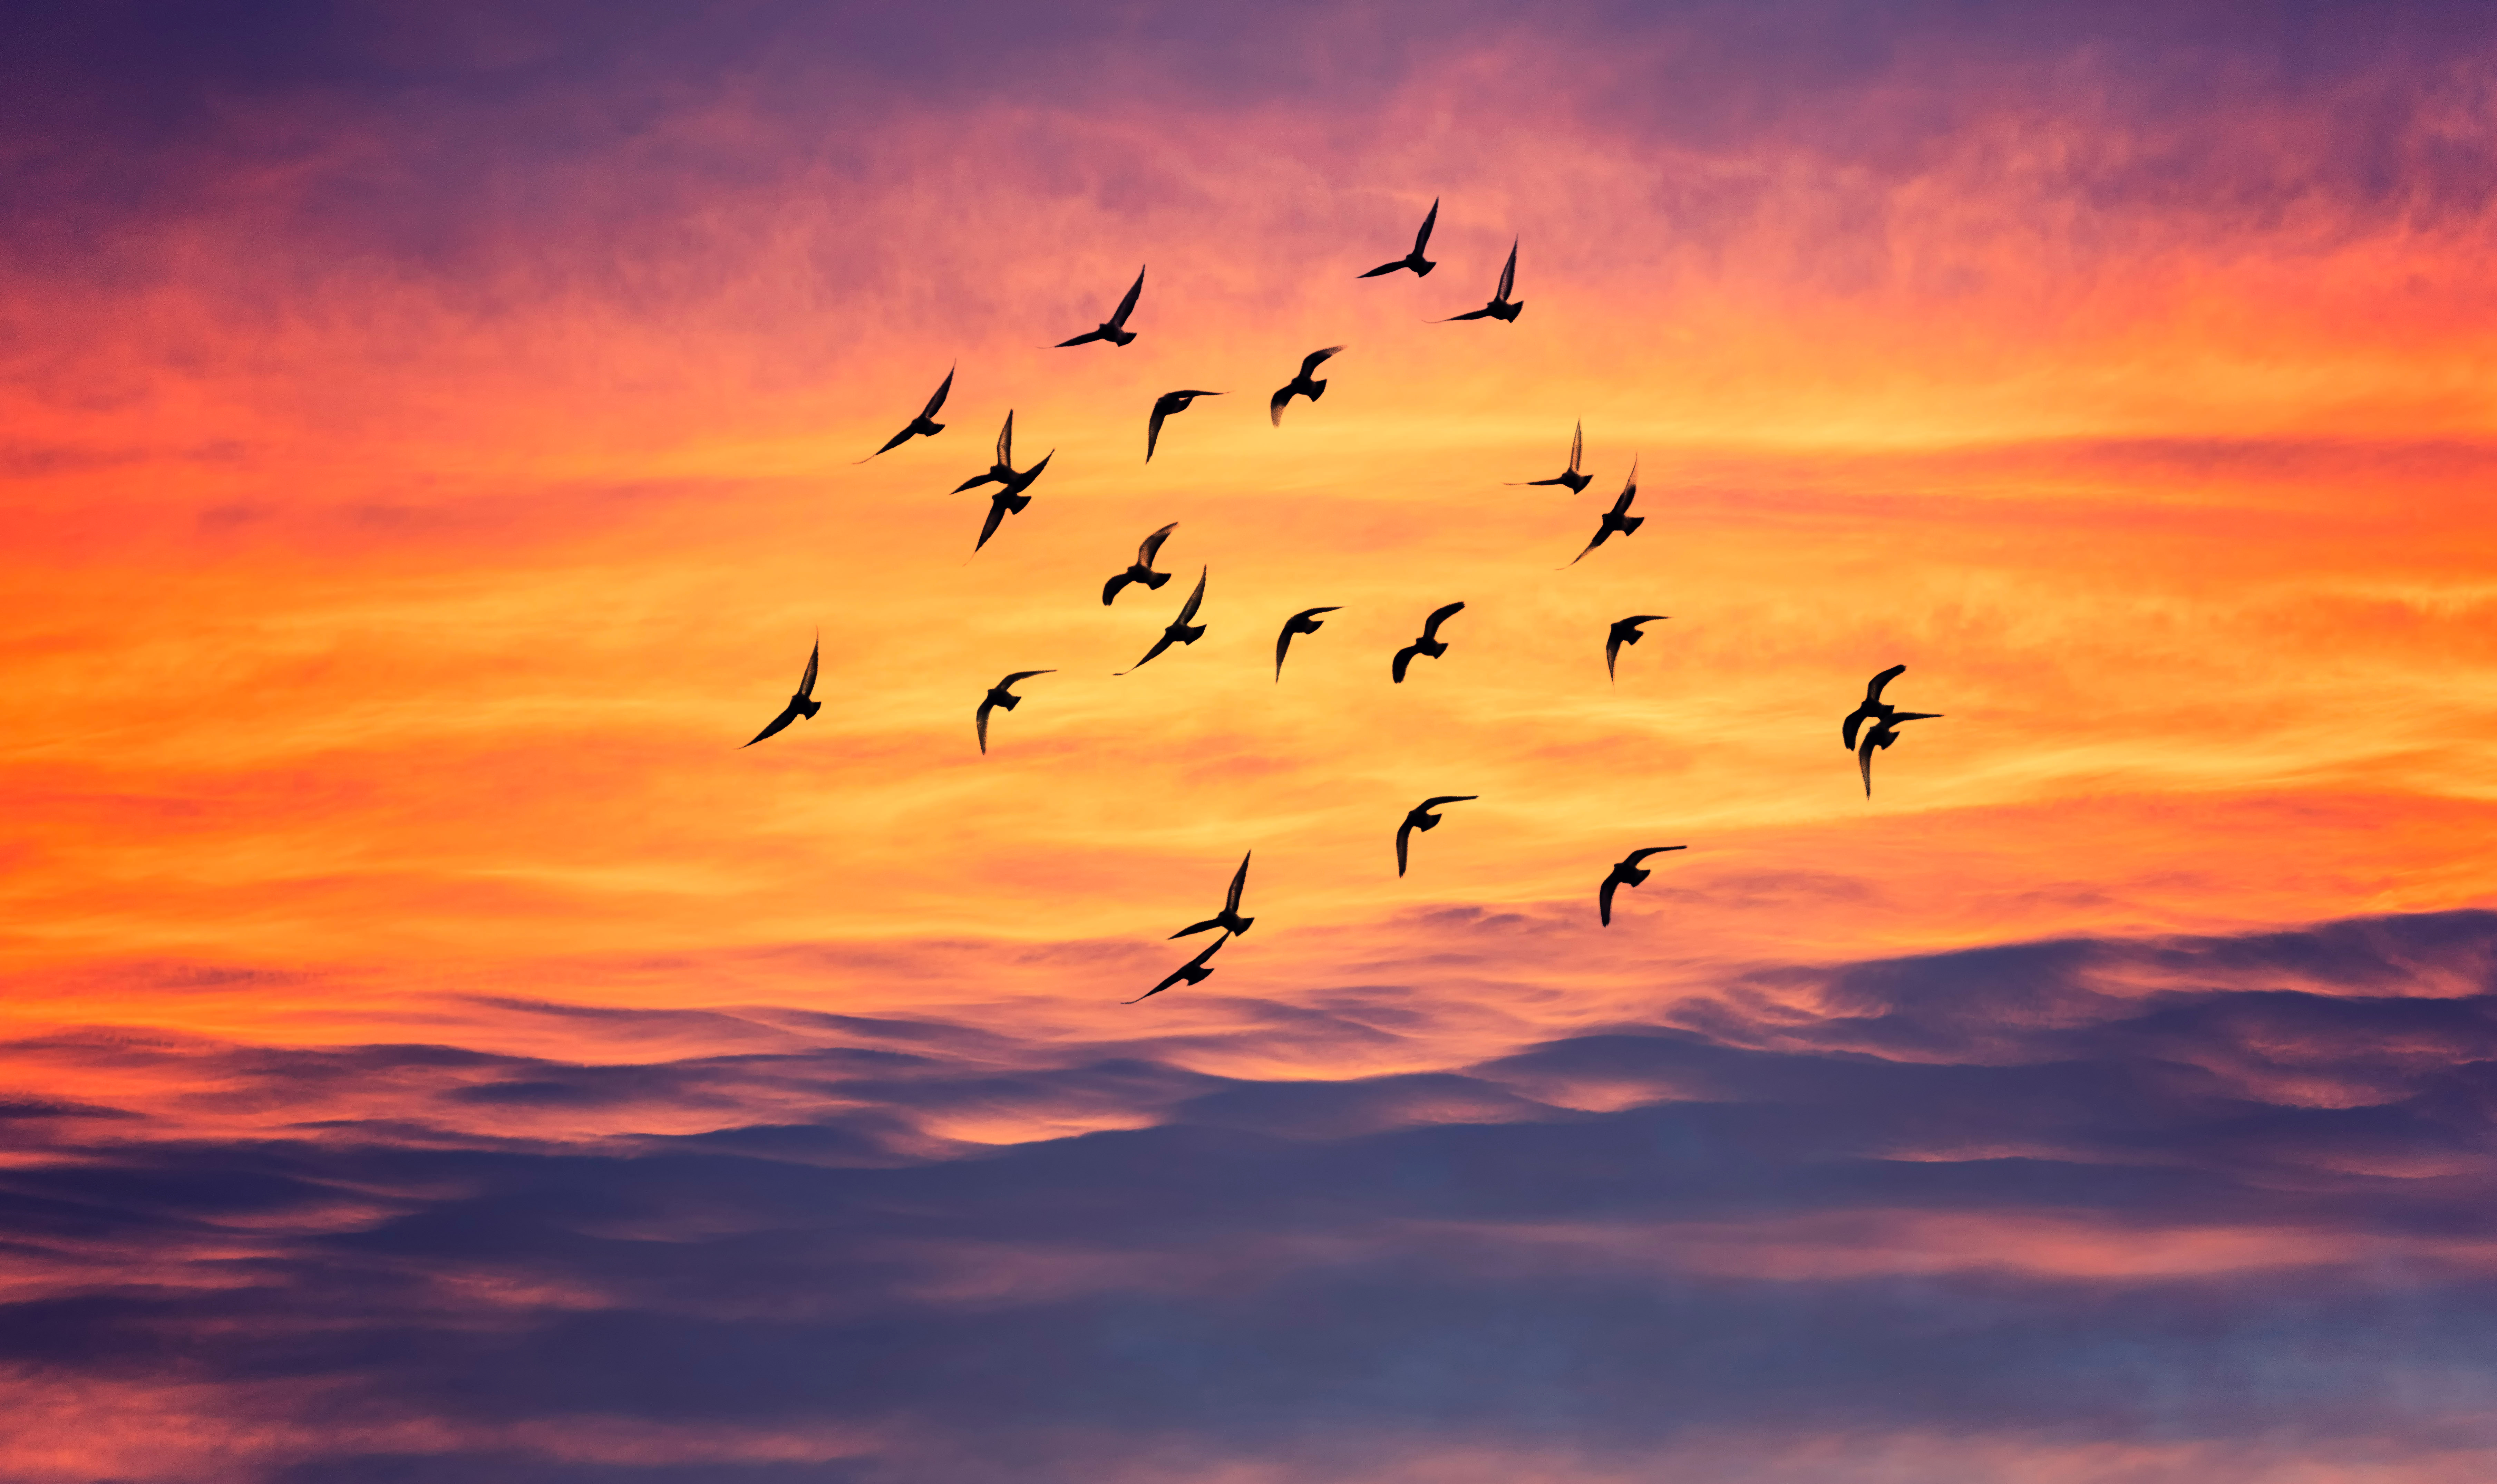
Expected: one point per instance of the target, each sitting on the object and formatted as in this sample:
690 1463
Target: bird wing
980 720
1005 442
1154 428
974 483
1873 688
1282 646
1405 657
938 400
1196 927
806 682
1432 804
1188 609
788 714
890 444
1864 758
1422 238
1508 274
1127 305
1856 720
1306 614
1274 405
1315 359
1085 338
1384 268
1152 545
1403 833
1577 444
1239 879
1431 625
989 527
1022 675
1471 314
1612 647
1023 480
1629 492
1159 644
1637 856
1182 972
1111 589
1605 899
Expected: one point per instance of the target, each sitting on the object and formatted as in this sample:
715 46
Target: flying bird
1305 622
1873 708
1143 570
1624 631
1010 500
1114 328
1414 260
1618 518
1228 919
1429 644
1003 470
1001 694
1500 306
1626 872
1884 730
1301 385
804 702
1194 972
1163 407
1570 476
1420 817
1178 630
924 425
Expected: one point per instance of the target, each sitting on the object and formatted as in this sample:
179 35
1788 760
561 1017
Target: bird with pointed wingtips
1301 385
1163 407
1114 328
804 702
1194 972
1228 919
1143 569
1414 260
1502 307
1305 622
1001 694
1624 631
1616 519
1626 872
1884 732
1429 644
924 425
1178 630
1873 708
1576 482
1420 817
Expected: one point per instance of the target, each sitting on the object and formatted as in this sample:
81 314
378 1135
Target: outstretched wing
1127 305
989 527
788 714
1629 492
1612 647
1159 644
1275 406
1111 589
1154 428
1864 758
1404 834
1508 274
1085 338
1005 442
1196 927
1188 609
1432 804
1471 314
1602 532
1239 879
1404 657
1152 545
980 720
1021 674
1605 899
1315 359
974 483
1422 238
1577 444
938 400
1431 625
1193 971
892 443
1637 856
806 682
1873 688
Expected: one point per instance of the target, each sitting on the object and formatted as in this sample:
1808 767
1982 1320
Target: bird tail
1156 581
1191 634
1317 388
1422 269
1632 523
1121 337
810 708
1016 502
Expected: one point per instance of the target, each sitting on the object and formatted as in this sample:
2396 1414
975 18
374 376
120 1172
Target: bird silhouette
1178 630
1114 328
1228 919
924 425
1010 500
1570 476
1618 518
1624 631
1305 622
1414 260
1143 570
1873 708
1429 644
1301 385
1500 306
1003 470
1626 873
1420 817
1163 407
1884 732
1000 695
804 702
1194 972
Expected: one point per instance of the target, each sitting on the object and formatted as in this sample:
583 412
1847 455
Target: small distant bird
1194 972
1414 260
1873 708
1570 476
1420 817
1163 407
1626 873
1001 694
1500 307
1429 644
1618 518
1228 919
1178 630
1143 570
1624 631
1883 732
924 425
1010 500
1301 385
1305 622
802 704
1114 328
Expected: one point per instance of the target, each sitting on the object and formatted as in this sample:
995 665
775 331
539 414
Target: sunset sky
434 1048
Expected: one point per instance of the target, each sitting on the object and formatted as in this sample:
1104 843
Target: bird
1000 694
1884 732
1301 385
1414 260
1570 476
804 702
1143 570
1420 817
1624 631
924 425
1010 500
1618 518
1429 644
1500 307
1228 919
1114 328
1178 630
1873 708
1626 873
1194 972
1163 407
1305 622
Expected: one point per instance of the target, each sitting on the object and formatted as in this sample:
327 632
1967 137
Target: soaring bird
1010 500
1143 570
1884 730
1429 644
1873 708
1301 385
1414 260
924 425
1420 817
1626 873
1228 919
1178 630
1000 694
1114 328
1618 518
1570 476
1500 306
1305 622
804 702
1624 631
1194 972
1163 407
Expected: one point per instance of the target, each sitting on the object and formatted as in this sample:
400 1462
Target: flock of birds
1872 726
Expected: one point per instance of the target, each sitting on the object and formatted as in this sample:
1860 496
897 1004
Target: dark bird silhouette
1194 972
1143 570
1429 644
1420 817
1178 630
804 702
1010 500
1500 307
924 425
1873 708
1000 695
1301 385
1570 476
1618 518
1626 873
1163 407
1114 328
1003 470
1228 919
1414 260
1305 622
1624 631
1884 732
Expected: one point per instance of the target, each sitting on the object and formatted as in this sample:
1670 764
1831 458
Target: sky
433 1047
